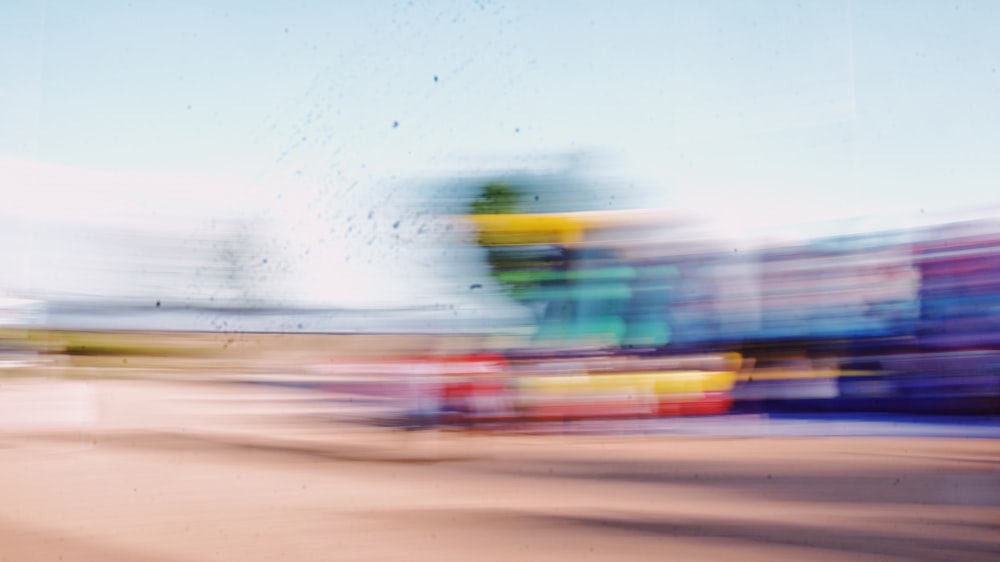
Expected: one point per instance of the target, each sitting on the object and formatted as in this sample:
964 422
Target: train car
590 294
960 289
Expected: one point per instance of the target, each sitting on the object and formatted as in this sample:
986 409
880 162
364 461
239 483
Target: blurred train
904 321
628 325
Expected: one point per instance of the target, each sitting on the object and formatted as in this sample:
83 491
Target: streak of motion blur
629 317
632 321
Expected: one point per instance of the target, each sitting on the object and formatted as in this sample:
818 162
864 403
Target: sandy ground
157 471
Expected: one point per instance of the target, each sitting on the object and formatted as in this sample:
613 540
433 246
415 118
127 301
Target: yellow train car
632 393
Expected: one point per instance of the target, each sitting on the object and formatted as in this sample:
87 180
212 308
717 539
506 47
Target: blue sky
754 114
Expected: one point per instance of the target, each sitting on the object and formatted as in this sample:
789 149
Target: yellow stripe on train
557 228
672 382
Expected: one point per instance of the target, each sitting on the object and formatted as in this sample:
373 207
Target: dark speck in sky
395 224
395 124
435 78
518 130
157 304
475 286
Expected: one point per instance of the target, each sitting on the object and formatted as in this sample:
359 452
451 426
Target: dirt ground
169 471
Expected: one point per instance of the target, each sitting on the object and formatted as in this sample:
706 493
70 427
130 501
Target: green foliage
110 344
497 198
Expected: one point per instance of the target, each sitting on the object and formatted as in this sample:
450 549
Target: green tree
497 198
